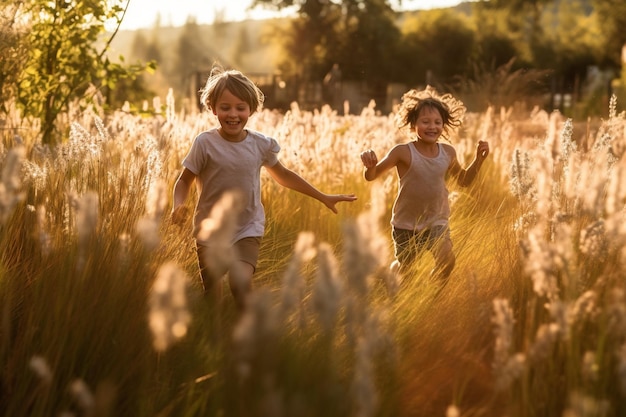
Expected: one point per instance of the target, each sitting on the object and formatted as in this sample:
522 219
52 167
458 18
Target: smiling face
429 125
233 114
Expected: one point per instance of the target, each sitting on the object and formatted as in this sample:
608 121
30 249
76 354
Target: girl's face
233 114
429 125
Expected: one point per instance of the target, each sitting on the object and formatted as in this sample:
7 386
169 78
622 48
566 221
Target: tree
495 44
569 44
308 40
13 50
611 20
192 55
359 35
368 40
438 42
523 19
67 42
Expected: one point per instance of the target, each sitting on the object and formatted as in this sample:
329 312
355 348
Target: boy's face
429 125
233 114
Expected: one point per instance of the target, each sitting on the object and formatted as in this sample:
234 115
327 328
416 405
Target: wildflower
506 367
568 146
169 317
590 367
363 386
592 239
255 333
540 265
87 217
82 395
453 411
616 313
545 338
521 181
170 111
45 241
148 231
581 405
293 282
328 287
503 321
559 312
218 229
584 306
621 368
511 371
10 193
101 129
147 227
40 367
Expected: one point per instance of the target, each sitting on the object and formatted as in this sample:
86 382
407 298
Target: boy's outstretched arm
289 179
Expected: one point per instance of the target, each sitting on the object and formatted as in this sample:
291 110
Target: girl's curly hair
413 101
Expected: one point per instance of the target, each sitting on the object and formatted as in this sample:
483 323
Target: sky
143 13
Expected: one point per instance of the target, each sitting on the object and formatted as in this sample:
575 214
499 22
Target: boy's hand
482 149
369 159
179 215
332 199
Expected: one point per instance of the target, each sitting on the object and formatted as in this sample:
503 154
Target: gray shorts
246 250
409 245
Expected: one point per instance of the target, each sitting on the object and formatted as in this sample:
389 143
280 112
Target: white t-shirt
228 166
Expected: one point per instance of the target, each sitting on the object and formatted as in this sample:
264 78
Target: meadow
101 307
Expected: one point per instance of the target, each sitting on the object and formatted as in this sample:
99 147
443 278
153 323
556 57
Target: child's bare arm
181 191
289 179
466 176
373 168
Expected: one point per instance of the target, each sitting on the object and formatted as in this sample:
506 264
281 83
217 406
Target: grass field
101 311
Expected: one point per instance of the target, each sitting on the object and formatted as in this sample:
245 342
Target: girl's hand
369 159
482 149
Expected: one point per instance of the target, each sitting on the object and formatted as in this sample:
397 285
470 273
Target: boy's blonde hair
413 101
235 82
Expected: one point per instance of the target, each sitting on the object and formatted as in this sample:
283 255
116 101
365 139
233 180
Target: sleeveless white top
222 166
422 200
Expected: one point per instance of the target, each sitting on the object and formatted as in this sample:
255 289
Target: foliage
368 39
611 21
13 50
191 56
439 44
309 40
360 36
66 55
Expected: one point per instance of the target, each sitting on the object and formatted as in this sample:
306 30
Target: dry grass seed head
169 316
217 231
327 290
10 187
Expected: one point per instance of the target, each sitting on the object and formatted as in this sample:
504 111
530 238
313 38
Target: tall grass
101 306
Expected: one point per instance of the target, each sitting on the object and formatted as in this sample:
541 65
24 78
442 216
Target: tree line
560 40
55 53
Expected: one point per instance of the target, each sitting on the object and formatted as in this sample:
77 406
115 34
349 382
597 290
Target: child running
229 158
420 215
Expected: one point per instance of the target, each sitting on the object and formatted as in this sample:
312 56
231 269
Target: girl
421 211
